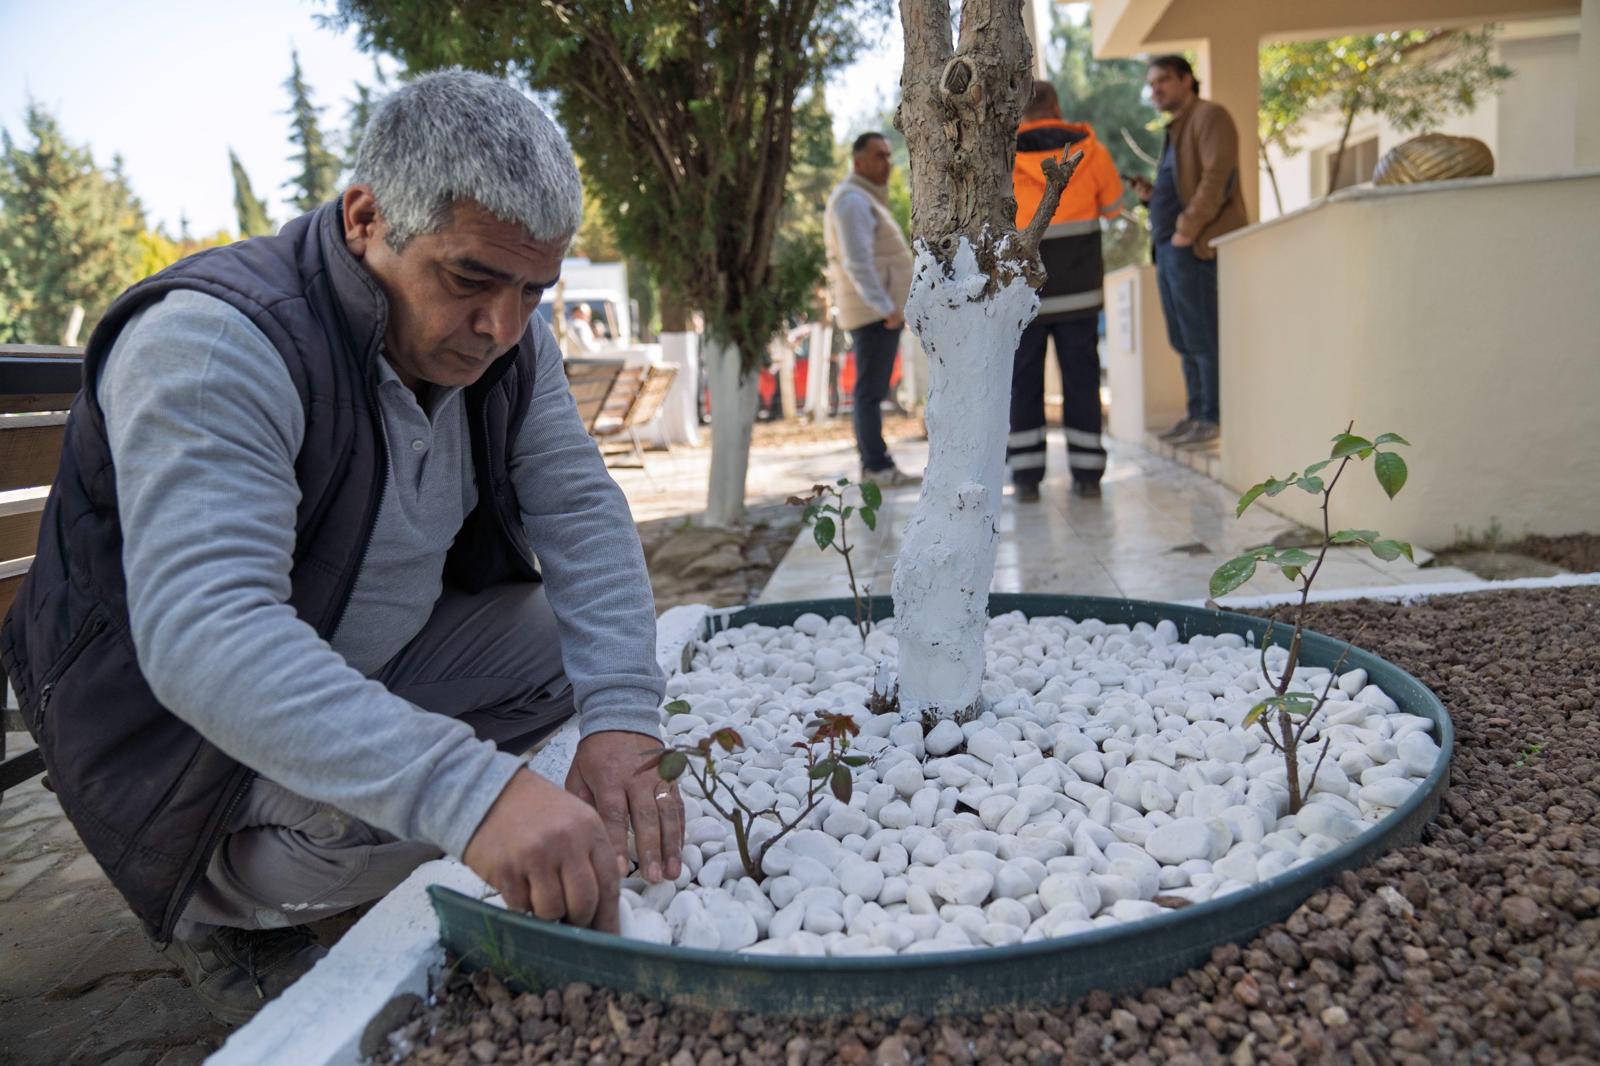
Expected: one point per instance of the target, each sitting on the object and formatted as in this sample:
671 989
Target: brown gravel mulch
780 432
1479 945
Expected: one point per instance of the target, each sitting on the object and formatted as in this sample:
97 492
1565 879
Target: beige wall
1142 371
1461 315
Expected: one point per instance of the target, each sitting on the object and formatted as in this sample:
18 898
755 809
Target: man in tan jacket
1195 198
869 271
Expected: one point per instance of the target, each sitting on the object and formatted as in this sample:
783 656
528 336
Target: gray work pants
493 660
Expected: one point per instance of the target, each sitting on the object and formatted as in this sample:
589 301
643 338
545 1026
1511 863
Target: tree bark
734 397
1272 175
1351 106
971 295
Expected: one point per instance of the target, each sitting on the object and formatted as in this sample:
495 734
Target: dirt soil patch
781 432
722 568
1578 552
1479 945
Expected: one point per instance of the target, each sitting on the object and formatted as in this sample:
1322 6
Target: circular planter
537 954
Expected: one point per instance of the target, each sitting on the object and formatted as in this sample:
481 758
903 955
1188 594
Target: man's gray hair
454 135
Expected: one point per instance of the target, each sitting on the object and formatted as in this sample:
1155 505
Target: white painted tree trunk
680 415
946 560
819 365
734 397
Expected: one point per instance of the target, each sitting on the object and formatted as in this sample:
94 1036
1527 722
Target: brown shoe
236 972
1201 433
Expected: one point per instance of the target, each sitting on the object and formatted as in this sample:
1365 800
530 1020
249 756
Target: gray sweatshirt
204 424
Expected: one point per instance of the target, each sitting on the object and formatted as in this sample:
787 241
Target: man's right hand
895 321
546 850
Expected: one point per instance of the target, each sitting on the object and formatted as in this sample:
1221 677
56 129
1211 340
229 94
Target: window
1360 160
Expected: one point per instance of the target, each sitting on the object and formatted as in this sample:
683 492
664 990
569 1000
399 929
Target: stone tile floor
1157 533
79 982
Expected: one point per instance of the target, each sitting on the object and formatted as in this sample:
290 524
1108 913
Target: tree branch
1057 173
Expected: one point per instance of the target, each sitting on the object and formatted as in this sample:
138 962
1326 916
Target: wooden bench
636 399
37 385
592 382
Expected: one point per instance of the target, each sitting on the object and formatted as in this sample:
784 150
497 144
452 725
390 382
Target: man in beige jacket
869 271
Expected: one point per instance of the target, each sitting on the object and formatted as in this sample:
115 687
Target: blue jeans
876 346
1189 300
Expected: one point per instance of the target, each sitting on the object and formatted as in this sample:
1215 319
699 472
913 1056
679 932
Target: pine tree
251 209
69 232
360 112
317 179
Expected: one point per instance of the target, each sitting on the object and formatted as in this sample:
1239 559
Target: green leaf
1255 715
673 764
848 511
1391 471
1354 536
1231 574
809 513
857 760
1314 467
1390 550
870 517
1275 486
824 532
1346 445
1291 572
843 482
871 495
841 784
1391 438
1312 485
1294 557
822 769
677 707
1249 497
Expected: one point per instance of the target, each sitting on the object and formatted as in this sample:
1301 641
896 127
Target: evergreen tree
684 116
317 178
250 208
360 112
69 232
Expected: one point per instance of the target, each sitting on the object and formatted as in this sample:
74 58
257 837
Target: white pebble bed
1110 770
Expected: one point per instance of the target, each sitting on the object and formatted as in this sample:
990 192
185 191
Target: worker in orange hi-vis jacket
1069 302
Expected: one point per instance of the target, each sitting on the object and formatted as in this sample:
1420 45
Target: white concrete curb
1403 593
394 949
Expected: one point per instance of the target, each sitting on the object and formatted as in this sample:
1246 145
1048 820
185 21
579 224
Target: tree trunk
1272 175
1350 108
734 397
971 295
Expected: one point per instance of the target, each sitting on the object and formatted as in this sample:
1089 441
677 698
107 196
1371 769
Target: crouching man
284 638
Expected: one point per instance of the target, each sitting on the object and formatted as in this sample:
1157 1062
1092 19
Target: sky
172 84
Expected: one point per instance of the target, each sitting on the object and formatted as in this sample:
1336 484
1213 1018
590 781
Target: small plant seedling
1529 752
830 764
1286 716
829 515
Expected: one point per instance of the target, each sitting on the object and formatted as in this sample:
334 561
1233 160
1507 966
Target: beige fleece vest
891 256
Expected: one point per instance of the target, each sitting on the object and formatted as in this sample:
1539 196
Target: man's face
1169 90
459 298
874 162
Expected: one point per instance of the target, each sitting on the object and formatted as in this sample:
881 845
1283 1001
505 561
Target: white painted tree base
734 399
946 560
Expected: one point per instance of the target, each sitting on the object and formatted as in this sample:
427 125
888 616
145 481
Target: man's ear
362 222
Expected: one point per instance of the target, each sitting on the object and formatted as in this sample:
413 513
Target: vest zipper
89 630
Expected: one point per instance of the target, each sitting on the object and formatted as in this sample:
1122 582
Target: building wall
1451 314
1530 125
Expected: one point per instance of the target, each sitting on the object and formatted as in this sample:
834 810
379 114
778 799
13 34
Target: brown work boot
235 972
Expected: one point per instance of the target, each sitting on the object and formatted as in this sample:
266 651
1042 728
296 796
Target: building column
1588 87
1230 75
1038 35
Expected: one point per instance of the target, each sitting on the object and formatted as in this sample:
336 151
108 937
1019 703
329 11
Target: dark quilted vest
149 796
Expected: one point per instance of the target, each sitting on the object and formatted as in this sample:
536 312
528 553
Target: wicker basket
1434 157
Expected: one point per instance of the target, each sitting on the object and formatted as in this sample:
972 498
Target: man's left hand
610 772
1180 241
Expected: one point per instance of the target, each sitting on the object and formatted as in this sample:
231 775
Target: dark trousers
1189 301
875 346
1077 353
